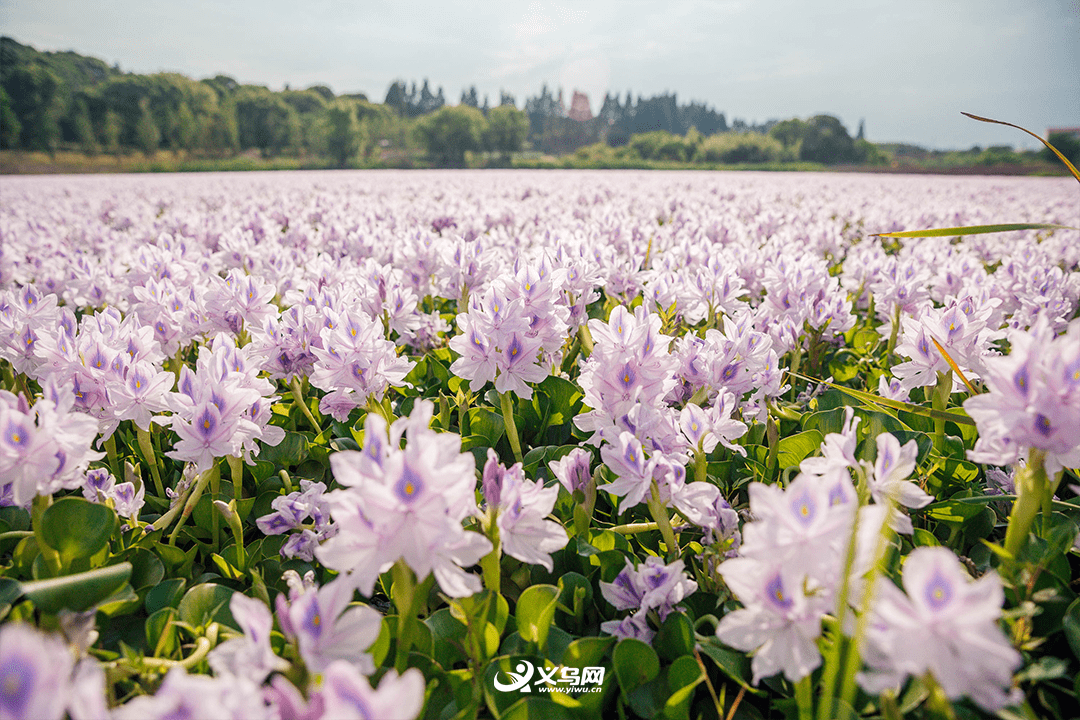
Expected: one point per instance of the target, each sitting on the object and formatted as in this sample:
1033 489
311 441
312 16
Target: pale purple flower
326 628
521 509
197 697
250 656
573 470
35 674
405 504
347 695
945 623
652 586
778 622
889 480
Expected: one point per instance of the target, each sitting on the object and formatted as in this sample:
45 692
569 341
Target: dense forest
53 101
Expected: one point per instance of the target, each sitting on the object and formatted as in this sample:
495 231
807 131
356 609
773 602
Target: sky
907 68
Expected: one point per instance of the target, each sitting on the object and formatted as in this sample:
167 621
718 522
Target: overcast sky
906 67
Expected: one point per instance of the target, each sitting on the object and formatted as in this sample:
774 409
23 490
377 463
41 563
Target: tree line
51 100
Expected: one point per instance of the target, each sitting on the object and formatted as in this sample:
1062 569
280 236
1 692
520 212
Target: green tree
84 129
218 133
34 93
1068 145
111 131
343 139
265 121
10 127
187 128
147 135
827 141
450 132
508 128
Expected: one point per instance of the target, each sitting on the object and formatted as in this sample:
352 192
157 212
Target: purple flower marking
775 593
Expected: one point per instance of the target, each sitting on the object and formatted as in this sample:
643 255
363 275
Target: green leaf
683 677
536 708
959 418
1071 625
565 399
291 451
165 594
675 638
76 528
77 592
587 651
972 230
794 448
825 421
486 423
162 637
534 613
147 569
1072 168
206 603
951 511
924 538
635 664
736 665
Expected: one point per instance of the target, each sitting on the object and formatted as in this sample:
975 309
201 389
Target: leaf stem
146 444
507 401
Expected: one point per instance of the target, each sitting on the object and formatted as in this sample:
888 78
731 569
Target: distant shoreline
13 162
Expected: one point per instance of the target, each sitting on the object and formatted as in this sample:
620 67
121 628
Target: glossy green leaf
77 528
675 637
972 230
635 664
486 423
167 593
793 449
206 603
77 592
534 613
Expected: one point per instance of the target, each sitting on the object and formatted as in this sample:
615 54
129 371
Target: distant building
579 107
1073 131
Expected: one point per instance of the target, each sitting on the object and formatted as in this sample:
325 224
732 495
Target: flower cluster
291 513
222 408
405 504
520 508
44 448
651 588
1033 400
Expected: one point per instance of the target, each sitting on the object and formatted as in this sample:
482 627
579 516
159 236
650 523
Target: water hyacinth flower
290 513
652 586
945 623
45 448
326 629
189 696
521 508
35 674
778 621
405 504
1033 400
250 656
348 695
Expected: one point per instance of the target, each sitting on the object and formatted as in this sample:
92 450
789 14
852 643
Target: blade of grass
954 366
972 230
894 404
1072 168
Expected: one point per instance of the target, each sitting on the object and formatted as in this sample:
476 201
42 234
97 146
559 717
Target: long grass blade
1072 168
894 404
972 230
954 366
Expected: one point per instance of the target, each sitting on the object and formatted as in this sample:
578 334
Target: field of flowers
538 445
